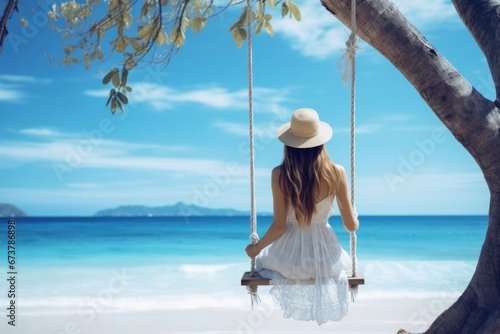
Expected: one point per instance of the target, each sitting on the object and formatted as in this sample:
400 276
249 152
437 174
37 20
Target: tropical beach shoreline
207 299
386 315
169 275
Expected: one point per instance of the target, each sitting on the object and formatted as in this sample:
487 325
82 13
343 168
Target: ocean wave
211 269
196 286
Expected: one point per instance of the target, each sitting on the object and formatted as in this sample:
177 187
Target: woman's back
300 252
307 251
323 210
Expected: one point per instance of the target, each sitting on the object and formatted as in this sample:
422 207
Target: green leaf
111 94
164 2
121 43
162 38
198 23
115 79
122 97
294 10
107 77
271 3
120 105
240 21
114 104
258 29
23 22
177 37
131 63
124 77
112 5
68 50
239 35
145 32
269 28
144 9
128 89
284 9
135 45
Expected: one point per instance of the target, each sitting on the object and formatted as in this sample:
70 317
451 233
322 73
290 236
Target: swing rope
348 62
347 65
254 237
352 47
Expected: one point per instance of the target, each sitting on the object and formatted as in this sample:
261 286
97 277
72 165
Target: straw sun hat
305 130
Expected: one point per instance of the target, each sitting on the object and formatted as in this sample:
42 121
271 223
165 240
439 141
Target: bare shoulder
341 169
342 176
276 171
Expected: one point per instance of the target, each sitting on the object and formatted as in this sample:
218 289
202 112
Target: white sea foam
195 269
199 286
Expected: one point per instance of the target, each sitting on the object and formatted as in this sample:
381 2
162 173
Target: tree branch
453 99
481 17
7 14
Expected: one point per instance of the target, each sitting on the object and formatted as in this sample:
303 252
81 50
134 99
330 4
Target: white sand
373 315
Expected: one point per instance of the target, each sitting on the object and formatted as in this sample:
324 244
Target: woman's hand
252 250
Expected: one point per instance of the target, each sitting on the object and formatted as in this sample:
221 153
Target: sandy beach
366 316
121 280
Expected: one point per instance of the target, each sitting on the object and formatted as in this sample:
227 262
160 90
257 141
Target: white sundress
307 267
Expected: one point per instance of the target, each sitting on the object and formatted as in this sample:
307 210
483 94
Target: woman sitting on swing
300 252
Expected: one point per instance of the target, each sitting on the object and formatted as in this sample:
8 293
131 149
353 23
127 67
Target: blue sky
184 134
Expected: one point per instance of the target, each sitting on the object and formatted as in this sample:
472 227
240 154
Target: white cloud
23 79
12 86
75 138
236 129
320 35
11 95
425 13
317 35
40 132
97 93
162 98
70 152
264 131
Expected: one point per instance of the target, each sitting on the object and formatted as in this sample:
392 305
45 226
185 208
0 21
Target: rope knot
352 45
345 63
254 296
254 237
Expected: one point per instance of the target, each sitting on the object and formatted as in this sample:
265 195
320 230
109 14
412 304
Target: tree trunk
471 118
7 14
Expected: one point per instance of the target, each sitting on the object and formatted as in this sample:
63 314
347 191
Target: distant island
179 209
9 210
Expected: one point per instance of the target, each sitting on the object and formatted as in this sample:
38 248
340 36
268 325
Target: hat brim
289 139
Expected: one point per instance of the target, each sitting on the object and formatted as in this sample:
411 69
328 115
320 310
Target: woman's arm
349 217
279 217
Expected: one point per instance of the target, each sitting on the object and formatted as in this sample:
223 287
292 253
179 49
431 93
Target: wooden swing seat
256 279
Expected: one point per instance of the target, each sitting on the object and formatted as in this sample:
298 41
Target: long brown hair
302 170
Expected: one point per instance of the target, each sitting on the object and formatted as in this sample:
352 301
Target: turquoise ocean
83 265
